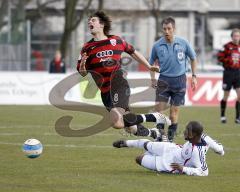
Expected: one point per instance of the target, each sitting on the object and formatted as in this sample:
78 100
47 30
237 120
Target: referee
171 53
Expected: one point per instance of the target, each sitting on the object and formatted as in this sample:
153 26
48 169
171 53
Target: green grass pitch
92 164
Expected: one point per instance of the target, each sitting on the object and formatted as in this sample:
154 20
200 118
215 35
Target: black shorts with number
119 94
231 78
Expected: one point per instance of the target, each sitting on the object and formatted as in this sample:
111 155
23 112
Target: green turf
91 164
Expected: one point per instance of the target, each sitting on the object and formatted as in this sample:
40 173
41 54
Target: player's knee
117 124
139 159
116 119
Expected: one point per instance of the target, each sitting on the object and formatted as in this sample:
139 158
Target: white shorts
159 156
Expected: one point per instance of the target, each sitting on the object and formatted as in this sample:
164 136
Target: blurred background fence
32 30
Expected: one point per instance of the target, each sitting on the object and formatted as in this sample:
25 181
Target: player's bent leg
133 119
157 148
118 121
147 161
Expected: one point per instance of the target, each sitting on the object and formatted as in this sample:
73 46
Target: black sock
142 131
171 131
237 107
150 118
132 119
223 108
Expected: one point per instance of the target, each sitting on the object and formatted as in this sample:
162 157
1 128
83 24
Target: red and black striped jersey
230 56
104 58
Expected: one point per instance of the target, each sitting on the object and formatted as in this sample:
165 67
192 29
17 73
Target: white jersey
191 157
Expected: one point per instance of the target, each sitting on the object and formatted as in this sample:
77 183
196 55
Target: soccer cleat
119 144
237 121
224 119
158 136
161 118
162 138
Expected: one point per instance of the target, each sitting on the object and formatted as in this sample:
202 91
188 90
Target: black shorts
119 94
231 78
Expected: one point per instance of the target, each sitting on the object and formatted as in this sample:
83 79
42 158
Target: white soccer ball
32 148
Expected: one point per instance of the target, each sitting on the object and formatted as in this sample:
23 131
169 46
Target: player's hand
154 69
83 61
177 166
194 83
154 83
82 66
220 152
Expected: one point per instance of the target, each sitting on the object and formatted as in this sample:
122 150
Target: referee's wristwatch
194 75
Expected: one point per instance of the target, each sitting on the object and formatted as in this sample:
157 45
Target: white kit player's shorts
160 155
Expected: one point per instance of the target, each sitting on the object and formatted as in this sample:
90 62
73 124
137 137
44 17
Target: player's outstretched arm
215 146
191 171
141 59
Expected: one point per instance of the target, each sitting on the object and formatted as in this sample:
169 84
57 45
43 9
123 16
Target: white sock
137 143
149 134
144 117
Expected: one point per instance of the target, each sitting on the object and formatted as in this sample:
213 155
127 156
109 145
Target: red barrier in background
209 92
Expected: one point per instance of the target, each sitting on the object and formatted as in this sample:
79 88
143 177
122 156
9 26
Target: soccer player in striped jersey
189 159
230 58
101 57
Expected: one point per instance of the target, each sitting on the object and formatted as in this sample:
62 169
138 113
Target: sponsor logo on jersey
113 42
105 53
235 58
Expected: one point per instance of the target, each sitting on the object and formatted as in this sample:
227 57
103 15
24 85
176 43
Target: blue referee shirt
172 58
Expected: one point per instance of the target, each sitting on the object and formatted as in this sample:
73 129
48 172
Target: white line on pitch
67 146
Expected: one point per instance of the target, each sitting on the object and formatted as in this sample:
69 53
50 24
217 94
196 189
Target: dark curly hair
103 19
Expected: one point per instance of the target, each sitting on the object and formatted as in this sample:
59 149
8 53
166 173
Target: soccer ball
32 148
